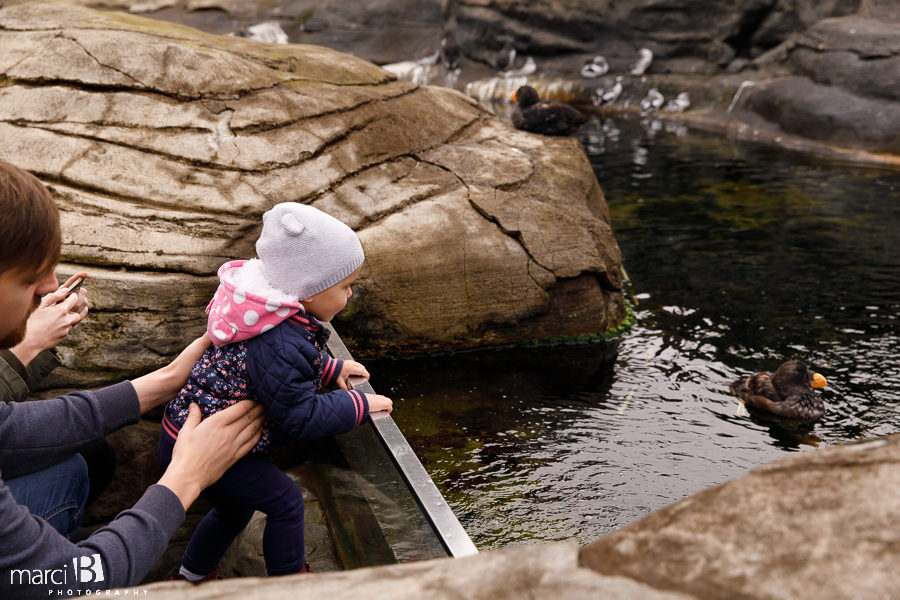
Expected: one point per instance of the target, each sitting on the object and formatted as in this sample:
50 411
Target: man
35 559
23 367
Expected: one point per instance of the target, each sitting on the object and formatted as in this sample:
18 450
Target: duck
787 393
595 67
642 64
681 103
652 101
543 116
604 97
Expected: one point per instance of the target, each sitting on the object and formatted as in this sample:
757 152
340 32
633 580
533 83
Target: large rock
820 524
548 571
163 146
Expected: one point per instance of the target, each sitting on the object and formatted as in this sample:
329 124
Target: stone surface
820 524
548 572
163 145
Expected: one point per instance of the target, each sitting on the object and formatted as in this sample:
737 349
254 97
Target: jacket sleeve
17 380
284 381
332 369
127 547
39 433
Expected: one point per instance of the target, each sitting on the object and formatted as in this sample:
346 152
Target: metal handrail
435 508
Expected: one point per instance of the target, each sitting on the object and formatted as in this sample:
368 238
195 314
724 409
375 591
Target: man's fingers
53 297
70 302
194 416
244 409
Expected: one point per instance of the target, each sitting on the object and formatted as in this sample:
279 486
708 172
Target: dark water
740 256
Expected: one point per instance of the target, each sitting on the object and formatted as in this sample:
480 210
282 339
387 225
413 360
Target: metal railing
434 507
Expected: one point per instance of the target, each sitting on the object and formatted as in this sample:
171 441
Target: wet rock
826 113
164 157
817 524
841 85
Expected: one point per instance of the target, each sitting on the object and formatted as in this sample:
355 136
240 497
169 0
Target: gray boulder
164 145
819 524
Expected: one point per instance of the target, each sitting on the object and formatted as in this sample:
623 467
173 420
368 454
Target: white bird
604 97
526 69
596 67
652 101
642 64
680 104
269 31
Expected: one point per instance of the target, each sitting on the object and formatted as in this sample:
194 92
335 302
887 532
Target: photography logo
88 569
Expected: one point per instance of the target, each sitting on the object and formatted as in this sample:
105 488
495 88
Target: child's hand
350 369
379 403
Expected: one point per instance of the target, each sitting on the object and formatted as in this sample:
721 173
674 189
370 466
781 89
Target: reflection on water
741 256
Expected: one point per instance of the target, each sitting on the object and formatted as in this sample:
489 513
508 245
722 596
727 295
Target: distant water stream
741 256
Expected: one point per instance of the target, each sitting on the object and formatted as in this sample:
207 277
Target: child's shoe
183 574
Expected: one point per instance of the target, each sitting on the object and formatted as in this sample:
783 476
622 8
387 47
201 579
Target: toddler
269 346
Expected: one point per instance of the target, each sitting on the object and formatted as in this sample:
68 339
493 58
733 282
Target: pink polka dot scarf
236 314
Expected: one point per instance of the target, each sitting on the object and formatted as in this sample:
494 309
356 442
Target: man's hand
51 321
205 450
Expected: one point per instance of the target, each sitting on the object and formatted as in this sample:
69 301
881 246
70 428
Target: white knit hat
305 251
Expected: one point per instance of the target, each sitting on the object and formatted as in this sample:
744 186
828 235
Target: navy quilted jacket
284 369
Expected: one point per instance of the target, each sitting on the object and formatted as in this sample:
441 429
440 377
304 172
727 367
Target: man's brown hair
29 223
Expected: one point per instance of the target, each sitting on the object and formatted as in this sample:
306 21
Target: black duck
787 393
544 116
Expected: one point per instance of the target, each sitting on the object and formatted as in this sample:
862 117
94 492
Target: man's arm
127 547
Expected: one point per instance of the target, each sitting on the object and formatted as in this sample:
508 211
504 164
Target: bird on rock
640 66
595 67
544 116
603 97
652 101
681 103
787 393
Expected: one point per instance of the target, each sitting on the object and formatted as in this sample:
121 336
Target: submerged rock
164 145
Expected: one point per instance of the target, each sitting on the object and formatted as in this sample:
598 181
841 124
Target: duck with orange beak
787 393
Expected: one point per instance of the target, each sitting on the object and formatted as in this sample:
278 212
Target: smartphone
74 287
